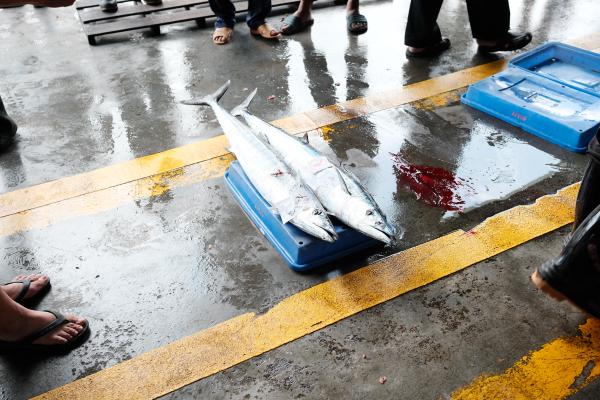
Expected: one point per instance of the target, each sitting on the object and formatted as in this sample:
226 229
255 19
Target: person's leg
355 22
299 20
304 11
422 29
575 273
258 10
588 197
422 35
18 322
225 12
8 128
490 23
490 19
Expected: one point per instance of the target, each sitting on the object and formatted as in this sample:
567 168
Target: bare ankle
304 13
15 324
351 7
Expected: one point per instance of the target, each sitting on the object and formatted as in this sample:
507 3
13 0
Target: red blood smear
432 185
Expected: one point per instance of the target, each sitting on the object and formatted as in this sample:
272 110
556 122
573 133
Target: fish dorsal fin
351 180
209 99
243 107
343 182
304 138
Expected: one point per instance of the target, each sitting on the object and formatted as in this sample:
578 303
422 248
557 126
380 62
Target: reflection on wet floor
121 100
173 254
448 157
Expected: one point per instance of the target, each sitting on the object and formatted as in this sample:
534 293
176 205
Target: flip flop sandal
510 42
356 18
430 51
25 288
225 32
28 345
264 31
294 24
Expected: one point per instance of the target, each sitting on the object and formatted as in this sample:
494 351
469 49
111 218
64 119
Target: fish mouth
385 235
327 234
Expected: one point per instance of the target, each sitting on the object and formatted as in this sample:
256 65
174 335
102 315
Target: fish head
366 217
315 222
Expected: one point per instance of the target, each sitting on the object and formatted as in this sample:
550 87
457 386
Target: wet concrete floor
160 268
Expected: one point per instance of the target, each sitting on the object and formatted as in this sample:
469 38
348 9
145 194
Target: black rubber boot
575 273
8 128
589 192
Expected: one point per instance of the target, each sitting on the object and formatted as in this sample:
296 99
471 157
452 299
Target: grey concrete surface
427 343
157 269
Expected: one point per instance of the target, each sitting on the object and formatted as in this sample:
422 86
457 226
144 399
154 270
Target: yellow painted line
77 185
557 370
439 100
207 352
107 199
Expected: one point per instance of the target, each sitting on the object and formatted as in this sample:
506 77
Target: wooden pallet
135 15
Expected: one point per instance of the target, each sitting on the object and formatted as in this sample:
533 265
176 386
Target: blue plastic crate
301 251
552 91
559 114
567 65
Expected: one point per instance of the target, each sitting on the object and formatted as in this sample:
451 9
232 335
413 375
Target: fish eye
369 212
317 212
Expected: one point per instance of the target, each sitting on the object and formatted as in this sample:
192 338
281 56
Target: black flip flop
25 288
510 42
430 51
27 344
356 18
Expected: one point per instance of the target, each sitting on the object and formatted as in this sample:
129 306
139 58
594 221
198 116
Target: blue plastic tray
541 106
568 65
300 250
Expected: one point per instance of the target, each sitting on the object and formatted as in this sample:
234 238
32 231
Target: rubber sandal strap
24 289
355 18
224 32
294 25
60 320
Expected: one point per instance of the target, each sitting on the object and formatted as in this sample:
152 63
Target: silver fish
339 191
270 176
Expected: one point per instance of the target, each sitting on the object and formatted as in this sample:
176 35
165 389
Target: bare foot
266 31
32 321
38 283
222 35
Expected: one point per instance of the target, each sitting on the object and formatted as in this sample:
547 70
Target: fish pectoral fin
285 209
343 181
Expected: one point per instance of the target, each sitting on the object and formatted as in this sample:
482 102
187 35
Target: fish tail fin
209 99
237 111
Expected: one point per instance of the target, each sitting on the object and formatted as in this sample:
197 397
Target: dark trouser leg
589 193
8 128
257 12
490 19
225 12
422 29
